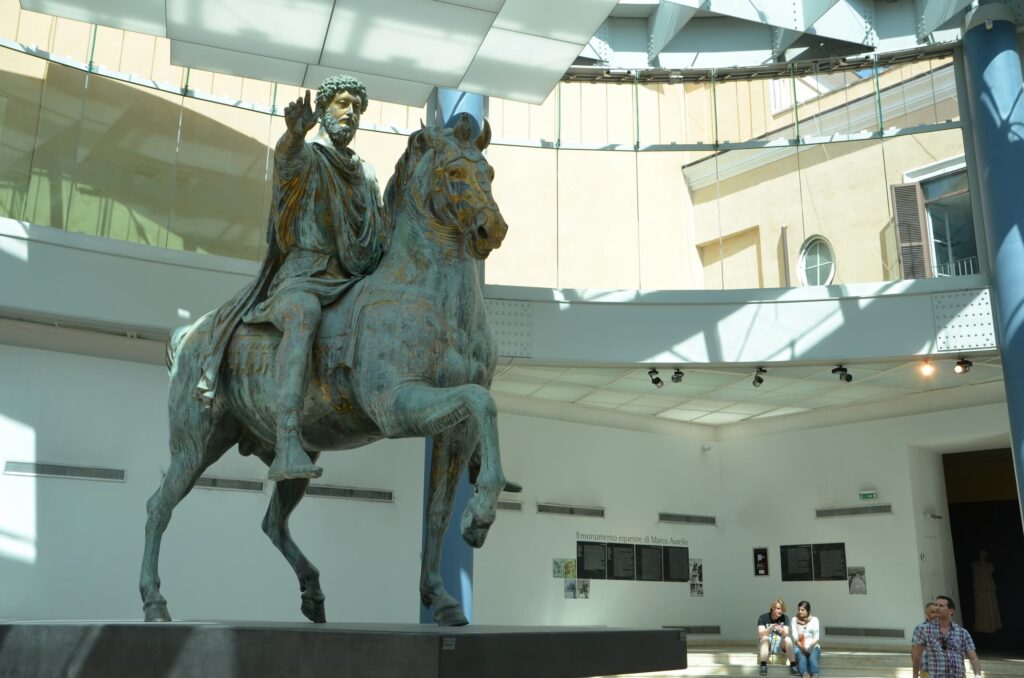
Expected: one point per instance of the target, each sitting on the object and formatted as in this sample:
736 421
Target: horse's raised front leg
415 409
287 496
448 460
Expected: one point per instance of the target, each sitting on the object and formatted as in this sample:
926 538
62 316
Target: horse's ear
484 137
464 128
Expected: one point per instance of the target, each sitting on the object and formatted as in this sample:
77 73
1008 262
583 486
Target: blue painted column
456 554
451 102
992 71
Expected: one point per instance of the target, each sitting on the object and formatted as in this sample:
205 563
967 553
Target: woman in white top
806 633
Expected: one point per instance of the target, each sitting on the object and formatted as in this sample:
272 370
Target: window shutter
912 231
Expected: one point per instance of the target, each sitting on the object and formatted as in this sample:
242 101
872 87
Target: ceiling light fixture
926 368
844 374
655 379
677 376
963 366
759 377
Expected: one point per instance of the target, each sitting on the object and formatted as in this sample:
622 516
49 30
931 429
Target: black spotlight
963 366
677 376
843 373
759 377
655 379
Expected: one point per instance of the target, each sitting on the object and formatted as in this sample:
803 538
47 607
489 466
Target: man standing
773 636
946 644
325 231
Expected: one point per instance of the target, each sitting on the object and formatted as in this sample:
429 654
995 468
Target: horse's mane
396 188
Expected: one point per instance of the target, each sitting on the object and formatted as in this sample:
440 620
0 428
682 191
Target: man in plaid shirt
947 644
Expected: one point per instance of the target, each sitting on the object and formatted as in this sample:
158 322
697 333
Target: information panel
621 561
829 562
676 563
650 563
796 563
591 560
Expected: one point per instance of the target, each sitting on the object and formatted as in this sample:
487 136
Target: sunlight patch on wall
17 494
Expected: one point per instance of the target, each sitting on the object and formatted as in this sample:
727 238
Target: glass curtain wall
713 180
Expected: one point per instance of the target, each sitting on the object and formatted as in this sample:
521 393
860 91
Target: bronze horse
405 352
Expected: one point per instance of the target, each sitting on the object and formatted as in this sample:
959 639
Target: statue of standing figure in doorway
986 604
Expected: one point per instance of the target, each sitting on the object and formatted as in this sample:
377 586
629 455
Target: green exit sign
865 496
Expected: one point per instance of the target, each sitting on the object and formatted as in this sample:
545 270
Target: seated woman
806 635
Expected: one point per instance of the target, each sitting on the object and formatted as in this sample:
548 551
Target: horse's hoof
450 616
474 530
314 611
156 612
512 486
293 472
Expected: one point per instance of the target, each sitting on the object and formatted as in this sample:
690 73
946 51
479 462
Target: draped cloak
325 231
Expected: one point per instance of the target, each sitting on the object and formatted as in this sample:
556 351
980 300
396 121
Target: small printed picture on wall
696 590
858 580
582 588
696 571
570 568
761 561
558 568
570 588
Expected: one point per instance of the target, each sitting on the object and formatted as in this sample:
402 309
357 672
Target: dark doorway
988 544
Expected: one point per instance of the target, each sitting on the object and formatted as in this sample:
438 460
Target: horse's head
445 174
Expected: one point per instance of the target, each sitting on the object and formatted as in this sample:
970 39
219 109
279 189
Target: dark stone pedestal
255 650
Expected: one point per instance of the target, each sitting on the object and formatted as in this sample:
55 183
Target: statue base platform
294 650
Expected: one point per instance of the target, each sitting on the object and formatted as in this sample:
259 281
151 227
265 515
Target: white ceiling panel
487 5
143 16
573 21
283 29
406 39
396 91
236 63
518 66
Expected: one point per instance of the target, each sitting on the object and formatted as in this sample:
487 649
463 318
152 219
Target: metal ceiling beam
932 14
666 22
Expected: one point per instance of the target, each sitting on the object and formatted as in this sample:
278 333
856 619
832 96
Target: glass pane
125 168
746 212
826 107
846 202
220 179
597 229
53 159
952 225
21 85
950 183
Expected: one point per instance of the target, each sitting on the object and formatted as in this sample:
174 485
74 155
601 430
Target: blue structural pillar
992 71
456 554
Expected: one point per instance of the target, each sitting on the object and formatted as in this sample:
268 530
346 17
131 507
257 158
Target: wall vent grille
687 519
504 505
859 632
698 630
236 484
24 468
565 510
853 511
360 493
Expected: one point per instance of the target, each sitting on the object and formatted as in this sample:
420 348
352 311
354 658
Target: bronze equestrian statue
398 340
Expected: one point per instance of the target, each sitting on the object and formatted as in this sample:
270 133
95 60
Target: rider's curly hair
341 83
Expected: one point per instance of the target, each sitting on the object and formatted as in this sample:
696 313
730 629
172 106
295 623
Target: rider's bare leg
297 317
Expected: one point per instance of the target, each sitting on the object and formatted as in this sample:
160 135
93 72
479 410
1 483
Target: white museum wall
763 489
71 549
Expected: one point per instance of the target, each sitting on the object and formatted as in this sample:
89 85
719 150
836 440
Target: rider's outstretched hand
299 116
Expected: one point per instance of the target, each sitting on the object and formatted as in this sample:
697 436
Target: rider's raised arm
291 152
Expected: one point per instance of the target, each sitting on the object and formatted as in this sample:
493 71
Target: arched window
817 262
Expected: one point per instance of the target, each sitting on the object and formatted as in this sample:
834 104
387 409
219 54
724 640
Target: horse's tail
177 335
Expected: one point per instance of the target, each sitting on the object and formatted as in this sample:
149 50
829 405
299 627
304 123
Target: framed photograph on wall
760 561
